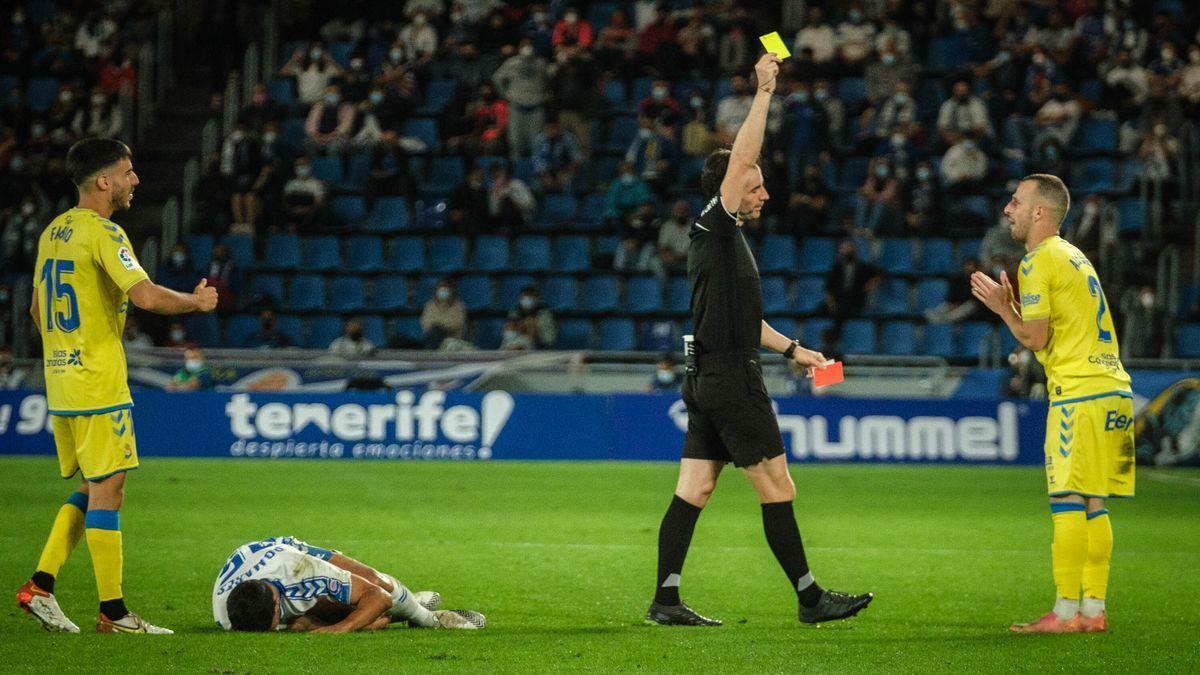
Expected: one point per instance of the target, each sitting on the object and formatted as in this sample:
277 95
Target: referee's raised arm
747 145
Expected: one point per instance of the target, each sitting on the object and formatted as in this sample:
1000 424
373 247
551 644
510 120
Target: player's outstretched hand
767 70
993 295
808 359
206 296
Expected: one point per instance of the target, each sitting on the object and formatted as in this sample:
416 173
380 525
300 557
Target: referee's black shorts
730 416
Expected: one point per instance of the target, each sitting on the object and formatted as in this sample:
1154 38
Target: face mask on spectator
303 171
511 335
627 178
193 365
968 145
898 140
27 208
395 55
802 96
882 171
314 53
66 95
527 302
856 16
888 59
1147 300
443 294
377 97
37 129
697 102
821 95
1167 54
923 174
1051 152
177 335
665 376
659 93
98 100
419 20
4 301
269 137
571 18
332 99
526 50
900 97
540 17
1039 59
16 164
179 258
356 64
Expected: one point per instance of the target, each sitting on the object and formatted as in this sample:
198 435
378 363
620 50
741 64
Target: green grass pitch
561 558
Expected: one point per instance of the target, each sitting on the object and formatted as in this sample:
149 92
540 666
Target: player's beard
122 202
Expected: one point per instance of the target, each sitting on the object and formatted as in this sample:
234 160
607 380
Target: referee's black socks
674 538
783 536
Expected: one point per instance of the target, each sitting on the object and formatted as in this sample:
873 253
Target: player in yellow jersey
1064 318
85 277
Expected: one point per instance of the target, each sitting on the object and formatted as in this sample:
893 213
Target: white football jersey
298 571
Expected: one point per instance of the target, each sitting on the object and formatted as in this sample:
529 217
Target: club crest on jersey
127 259
74 359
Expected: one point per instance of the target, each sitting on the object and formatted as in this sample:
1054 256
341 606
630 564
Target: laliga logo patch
127 259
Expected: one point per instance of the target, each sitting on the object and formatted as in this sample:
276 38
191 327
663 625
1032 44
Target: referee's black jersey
727 302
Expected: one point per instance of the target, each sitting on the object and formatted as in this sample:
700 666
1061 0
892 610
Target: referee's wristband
787 353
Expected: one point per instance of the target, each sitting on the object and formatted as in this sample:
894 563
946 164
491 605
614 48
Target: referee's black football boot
677 615
833 606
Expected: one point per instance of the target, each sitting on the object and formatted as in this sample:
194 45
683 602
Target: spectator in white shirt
964 165
313 69
854 40
961 114
351 344
420 39
817 35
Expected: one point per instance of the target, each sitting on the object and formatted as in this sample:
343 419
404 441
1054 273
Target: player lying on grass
282 583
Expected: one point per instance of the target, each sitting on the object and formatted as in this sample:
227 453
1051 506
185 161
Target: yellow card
774 44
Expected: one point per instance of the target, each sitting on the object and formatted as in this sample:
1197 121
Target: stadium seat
200 247
590 214
776 299
523 169
266 290
973 339
786 325
358 171
1129 214
812 331
373 329
1096 174
423 129
778 254
643 294
238 330
282 90
571 254
600 294
40 93
322 330
438 95
347 294
390 293
979 206
1187 341
305 293
658 336
889 299
340 53
204 329
510 289
241 249
679 295
364 254
810 294
641 89
896 256
1014 168
614 94
617 335
348 210
560 294
944 53
966 249
937 257
486 162
575 334
487 333
531 253
407 331
320 253
817 255
293 133
599 14
931 293
327 168
930 95
446 174
557 210
447 253
1129 175
1097 135
852 90
938 340
490 253
621 132
858 337
282 251
898 338
853 173
688 178
407 254
475 291
424 289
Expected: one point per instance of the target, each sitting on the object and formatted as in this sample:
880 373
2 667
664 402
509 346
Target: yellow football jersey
1057 282
85 268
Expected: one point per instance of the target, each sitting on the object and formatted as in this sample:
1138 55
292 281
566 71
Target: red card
828 374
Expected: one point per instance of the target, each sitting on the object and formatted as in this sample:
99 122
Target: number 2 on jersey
57 287
1094 288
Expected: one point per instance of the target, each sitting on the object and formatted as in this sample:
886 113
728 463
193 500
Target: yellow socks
104 542
64 535
1099 560
1069 552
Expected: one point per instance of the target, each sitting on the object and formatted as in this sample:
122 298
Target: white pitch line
1167 477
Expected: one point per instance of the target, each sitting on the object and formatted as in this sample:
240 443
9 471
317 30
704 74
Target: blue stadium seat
266 289
305 293
689 169
423 129
358 170
621 132
523 168
282 90
605 245
966 249
364 254
978 205
930 95
424 289
204 329
290 325
350 211
943 53
446 174
853 173
896 256
776 299
937 256
858 337
487 333
852 90
575 334
531 253
1189 298
320 253
447 253
679 295
1129 175
810 294
347 294
373 329
1014 167
641 89
490 253
658 336
340 53
407 331
1096 174
1097 135
475 291
200 247
973 339
390 294
1187 341
327 168
931 293
241 249
486 162
614 94
557 210
407 254
322 330
293 133
617 335
430 214
600 294
40 93
784 324
607 168
898 338
510 290
560 293
282 251
938 340
438 95
1129 214
389 215
817 255
778 254
643 294
890 298
238 330
7 84
599 14
571 253
813 330
590 215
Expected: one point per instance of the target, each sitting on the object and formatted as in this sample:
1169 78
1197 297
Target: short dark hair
251 606
90 155
714 171
1054 190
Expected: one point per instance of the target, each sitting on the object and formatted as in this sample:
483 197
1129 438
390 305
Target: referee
730 417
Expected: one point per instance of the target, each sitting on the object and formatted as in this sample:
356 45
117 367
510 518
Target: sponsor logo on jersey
62 234
74 358
1115 421
1030 298
127 260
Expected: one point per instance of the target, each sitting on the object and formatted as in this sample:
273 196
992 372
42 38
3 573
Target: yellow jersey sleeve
114 255
1036 274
